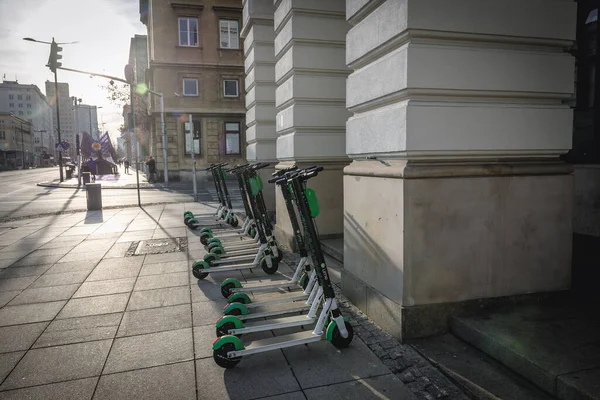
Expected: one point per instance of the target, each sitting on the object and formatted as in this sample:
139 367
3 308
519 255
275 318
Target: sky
102 28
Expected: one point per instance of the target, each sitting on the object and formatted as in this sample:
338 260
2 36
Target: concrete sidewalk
86 314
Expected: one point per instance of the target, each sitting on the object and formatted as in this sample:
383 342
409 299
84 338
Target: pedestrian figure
126 166
92 165
151 163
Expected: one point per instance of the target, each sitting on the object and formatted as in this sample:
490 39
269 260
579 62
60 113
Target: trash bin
69 173
94 196
86 176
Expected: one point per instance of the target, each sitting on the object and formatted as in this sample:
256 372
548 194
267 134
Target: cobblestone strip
424 380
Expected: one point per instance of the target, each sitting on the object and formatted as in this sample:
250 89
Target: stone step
556 347
334 248
474 372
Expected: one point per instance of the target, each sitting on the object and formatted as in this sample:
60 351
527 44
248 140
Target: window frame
187 19
183 87
231 132
237 88
229 21
197 128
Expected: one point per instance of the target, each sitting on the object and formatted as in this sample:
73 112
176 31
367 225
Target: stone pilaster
259 65
460 102
311 93
172 149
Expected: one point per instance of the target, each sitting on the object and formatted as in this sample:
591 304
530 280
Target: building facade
86 120
29 103
16 142
195 59
67 116
444 127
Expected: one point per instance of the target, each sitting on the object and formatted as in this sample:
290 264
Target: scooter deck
227 268
269 287
283 298
293 321
226 260
275 312
278 342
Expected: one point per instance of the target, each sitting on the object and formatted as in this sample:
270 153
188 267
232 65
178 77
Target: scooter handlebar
281 172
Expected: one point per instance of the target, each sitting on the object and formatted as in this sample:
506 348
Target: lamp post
54 45
164 133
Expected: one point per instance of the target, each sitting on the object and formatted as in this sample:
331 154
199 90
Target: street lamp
54 53
164 133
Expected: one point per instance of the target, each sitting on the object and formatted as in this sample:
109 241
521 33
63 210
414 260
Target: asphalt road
21 197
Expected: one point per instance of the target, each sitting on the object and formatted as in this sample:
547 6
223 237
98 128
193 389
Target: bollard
86 177
94 196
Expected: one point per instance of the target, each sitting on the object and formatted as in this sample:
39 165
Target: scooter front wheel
220 356
197 270
272 269
338 340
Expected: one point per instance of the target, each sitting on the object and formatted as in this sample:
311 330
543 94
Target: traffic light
53 63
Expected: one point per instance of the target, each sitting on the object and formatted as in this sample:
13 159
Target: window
230 38
11 96
28 112
190 87
20 112
188 137
2 135
28 96
12 105
20 105
37 139
19 97
232 138
28 105
230 88
188 32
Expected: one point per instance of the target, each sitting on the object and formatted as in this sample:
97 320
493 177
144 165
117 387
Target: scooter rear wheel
224 330
226 289
220 356
197 271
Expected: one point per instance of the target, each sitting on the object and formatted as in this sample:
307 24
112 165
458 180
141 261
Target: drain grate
157 246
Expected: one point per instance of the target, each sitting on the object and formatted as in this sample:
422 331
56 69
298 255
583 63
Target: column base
329 188
421 239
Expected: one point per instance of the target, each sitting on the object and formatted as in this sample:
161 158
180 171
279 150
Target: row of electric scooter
304 300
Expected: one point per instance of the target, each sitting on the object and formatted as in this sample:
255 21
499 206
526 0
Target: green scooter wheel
205 237
227 286
187 220
185 214
252 233
193 224
234 222
206 230
336 339
218 250
197 269
212 246
239 297
303 281
221 359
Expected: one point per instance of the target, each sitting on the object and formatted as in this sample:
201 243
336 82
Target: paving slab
256 376
7 362
89 245
207 312
155 320
164 268
98 288
29 313
80 389
62 250
20 337
142 351
65 267
31 260
20 272
7 296
60 363
299 395
136 236
175 381
8 261
67 278
379 387
203 342
205 290
167 257
11 284
80 329
61 241
44 294
162 281
115 268
92 257
159 298
82 307
118 250
320 363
